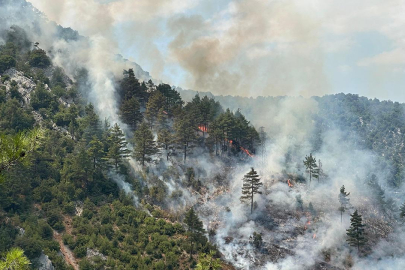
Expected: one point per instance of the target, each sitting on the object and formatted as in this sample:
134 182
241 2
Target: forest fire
203 128
246 151
289 183
314 236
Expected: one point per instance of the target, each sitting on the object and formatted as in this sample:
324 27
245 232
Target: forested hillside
104 167
63 197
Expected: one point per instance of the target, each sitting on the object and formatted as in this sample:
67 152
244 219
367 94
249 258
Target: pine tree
117 150
155 104
96 152
251 185
164 140
344 201
185 135
355 233
130 112
195 227
310 164
145 145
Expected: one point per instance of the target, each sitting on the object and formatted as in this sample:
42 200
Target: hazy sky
253 47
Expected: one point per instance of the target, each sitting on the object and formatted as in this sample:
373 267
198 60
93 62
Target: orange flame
289 183
202 128
246 151
314 236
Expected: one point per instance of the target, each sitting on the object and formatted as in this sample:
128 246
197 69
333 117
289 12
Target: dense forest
62 191
157 177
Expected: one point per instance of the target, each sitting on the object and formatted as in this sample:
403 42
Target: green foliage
42 98
6 62
118 146
145 145
15 260
251 186
14 148
39 59
14 118
130 112
310 165
355 233
208 262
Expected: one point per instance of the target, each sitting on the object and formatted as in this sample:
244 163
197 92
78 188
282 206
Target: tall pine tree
117 149
251 186
355 233
145 145
195 229
130 112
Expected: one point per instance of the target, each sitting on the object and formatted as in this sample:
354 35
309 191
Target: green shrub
6 62
39 59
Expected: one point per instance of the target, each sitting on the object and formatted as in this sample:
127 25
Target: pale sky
253 47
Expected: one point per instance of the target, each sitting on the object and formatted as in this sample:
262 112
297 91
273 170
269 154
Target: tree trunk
185 152
251 204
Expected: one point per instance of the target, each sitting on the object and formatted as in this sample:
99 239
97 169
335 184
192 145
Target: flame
289 183
314 236
203 128
246 151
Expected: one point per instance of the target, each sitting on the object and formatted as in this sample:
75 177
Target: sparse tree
344 201
355 233
145 145
251 186
257 240
312 168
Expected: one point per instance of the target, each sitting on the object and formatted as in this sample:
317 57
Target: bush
39 59
6 62
80 251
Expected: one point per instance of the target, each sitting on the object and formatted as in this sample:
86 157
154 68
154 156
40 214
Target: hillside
103 167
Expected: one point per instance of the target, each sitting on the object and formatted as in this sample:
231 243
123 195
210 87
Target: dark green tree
145 145
195 228
185 135
165 140
117 150
155 104
96 152
251 186
130 112
355 233
39 59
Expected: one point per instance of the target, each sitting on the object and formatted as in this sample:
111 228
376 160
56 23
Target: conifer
251 186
